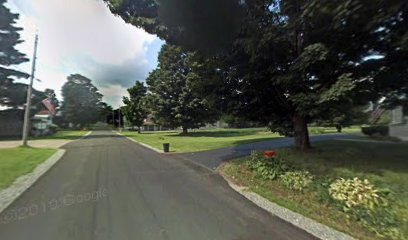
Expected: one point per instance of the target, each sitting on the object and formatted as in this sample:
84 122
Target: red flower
269 154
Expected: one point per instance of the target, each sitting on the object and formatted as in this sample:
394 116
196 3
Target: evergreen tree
11 94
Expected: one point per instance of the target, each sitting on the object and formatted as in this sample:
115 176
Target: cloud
82 36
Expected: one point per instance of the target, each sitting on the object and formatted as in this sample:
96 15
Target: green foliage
356 193
296 180
82 103
135 109
363 201
12 94
343 116
267 168
205 25
375 130
308 60
171 98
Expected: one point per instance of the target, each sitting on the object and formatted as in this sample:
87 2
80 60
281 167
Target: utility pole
29 93
119 120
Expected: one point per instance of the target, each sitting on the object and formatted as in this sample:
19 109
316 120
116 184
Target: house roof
43 112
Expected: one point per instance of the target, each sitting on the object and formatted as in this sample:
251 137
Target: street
108 187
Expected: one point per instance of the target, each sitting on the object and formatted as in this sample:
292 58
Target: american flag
48 104
376 114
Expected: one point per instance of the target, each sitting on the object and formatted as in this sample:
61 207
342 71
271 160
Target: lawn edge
143 144
309 225
24 182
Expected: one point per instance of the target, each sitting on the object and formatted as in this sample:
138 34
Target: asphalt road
214 158
107 187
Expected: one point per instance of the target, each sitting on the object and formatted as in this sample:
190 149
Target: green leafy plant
375 130
356 193
363 201
296 180
267 168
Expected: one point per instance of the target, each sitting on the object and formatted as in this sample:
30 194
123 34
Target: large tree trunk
302 141
185 130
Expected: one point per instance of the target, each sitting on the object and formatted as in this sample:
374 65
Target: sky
82 36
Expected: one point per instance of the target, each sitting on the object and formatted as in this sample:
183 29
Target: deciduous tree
296 60
171 98
82 101
135 109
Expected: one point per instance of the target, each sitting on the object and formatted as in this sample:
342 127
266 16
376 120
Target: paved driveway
107 187
214 158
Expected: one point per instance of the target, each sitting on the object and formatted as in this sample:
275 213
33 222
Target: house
150 125
41 123
399 123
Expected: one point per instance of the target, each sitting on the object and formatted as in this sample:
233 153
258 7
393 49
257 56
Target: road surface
214 158
108 187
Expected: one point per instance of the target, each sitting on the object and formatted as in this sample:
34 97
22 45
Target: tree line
284 63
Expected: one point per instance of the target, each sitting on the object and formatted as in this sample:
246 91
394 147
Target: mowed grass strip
64 135
383 164
202 140
15 162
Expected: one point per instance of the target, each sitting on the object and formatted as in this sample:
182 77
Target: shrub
375 130
267 168
297 180
317 130
356 193
363 201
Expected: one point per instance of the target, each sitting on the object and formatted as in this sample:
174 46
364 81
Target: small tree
135 109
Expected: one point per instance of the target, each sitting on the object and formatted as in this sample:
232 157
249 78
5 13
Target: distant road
107 187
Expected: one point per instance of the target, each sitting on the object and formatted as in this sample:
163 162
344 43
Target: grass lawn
64 135
201 140
15 162
384 165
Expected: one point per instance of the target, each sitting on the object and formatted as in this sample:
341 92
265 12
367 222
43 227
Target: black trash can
166 147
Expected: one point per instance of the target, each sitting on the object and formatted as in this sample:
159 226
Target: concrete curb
22 183
86 135
311 226
143 144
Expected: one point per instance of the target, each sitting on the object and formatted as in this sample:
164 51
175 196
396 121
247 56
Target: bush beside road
382 164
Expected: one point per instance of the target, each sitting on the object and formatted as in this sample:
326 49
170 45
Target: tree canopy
82 102
135 109
205 25
11 94
171 98
293 61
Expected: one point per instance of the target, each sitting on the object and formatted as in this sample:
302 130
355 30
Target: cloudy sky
82 36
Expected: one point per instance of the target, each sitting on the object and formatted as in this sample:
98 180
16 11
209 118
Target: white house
41 123
399 123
